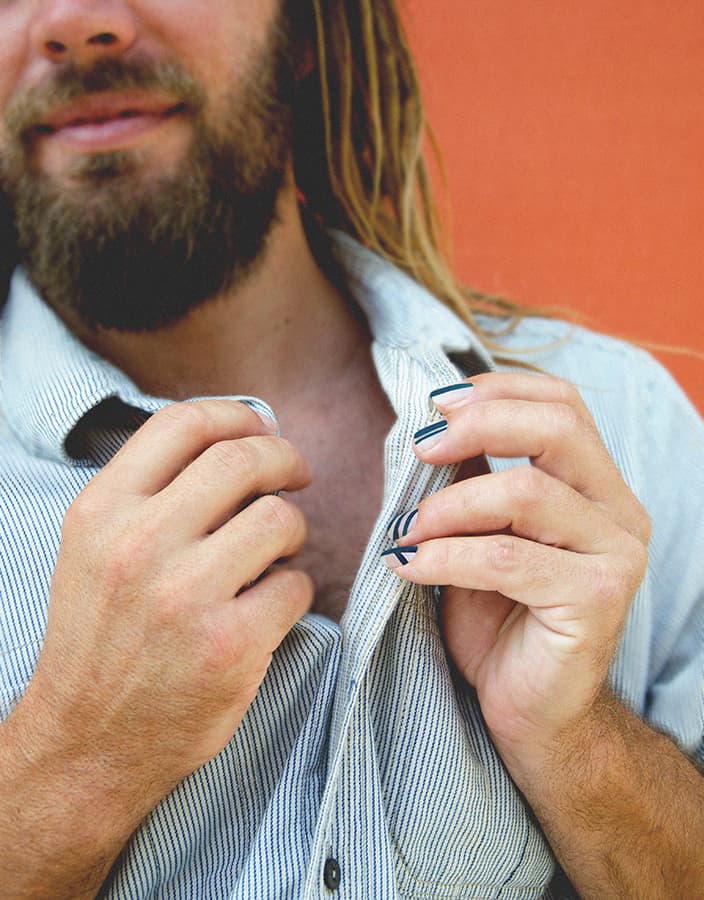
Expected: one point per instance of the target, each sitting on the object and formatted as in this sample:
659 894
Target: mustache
29 107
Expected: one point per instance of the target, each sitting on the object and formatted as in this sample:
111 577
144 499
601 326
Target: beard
135 252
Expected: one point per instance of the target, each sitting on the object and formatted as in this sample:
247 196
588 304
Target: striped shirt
363 768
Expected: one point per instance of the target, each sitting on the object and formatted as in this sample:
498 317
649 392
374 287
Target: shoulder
656 438
569 350
627 390
34 492
650 427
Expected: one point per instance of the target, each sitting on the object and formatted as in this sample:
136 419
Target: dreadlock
360 128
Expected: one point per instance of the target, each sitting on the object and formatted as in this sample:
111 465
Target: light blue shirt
359 747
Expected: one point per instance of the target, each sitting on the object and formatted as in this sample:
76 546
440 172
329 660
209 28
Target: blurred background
573 138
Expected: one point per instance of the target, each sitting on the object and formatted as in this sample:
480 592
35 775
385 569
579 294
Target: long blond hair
360 134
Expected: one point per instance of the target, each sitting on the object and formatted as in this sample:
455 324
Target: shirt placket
351 856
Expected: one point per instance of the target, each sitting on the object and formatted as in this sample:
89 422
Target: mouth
103 122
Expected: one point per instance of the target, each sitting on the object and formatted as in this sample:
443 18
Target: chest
345 451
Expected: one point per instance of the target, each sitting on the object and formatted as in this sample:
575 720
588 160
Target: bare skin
74 847
77 771
151 557
541 564
216 351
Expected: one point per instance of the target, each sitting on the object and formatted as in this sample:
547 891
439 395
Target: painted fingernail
452 395
400 526
431 434
268 422
398 556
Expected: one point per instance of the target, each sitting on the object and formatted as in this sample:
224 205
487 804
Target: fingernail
398 556
269 423
400 526
431 434
452 395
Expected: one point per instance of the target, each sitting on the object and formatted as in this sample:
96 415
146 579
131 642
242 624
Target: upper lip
96 108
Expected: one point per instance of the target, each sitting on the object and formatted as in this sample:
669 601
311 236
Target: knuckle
234 459
527 485
565 419
638 559
83 513
130 555
285 447
173 594
187 416
439 555
280 515
301 586
221 649
118 570
467 507
643 526
132 549
291 456
566 393
291 589
610 588
208 419
502 553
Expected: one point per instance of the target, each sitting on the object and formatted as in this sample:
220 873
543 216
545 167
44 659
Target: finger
471 622
236 554
555 405
552 435
559 413
536 387
267 611
522 500
174 436
555 439
225 477
569 585
565 424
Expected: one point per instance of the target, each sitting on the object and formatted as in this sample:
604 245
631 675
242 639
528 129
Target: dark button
332 874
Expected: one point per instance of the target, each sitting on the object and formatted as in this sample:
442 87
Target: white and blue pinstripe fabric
360 744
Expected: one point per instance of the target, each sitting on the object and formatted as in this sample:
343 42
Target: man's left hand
541 562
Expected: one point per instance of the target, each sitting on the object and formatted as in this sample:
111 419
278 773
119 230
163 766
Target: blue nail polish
398 556
452 396
451 388
430 431
401 525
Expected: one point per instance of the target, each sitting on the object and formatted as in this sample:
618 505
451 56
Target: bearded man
241 456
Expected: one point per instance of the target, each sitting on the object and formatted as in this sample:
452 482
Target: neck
275 336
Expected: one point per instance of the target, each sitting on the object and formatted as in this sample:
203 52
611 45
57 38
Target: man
217 683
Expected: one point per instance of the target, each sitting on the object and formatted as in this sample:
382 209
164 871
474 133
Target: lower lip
112 134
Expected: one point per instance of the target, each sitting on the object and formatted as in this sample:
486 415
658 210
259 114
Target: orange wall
573 135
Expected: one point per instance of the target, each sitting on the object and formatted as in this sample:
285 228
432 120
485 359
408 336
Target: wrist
539 760
68 783
615 800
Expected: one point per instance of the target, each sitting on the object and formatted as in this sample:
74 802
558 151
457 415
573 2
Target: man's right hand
157 641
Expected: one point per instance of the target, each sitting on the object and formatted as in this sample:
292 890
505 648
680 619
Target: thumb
471 622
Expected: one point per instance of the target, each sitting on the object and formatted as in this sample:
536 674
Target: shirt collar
400 311
49 381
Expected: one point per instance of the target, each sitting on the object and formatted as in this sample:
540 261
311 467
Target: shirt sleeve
656 438
672 456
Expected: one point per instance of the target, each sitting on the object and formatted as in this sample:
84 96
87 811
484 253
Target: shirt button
332 874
